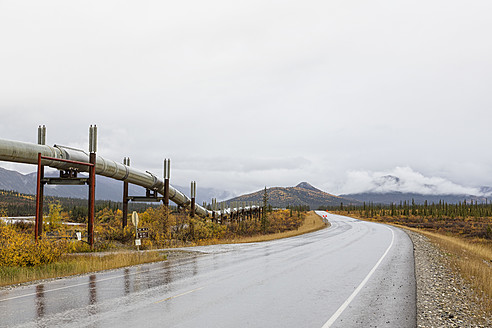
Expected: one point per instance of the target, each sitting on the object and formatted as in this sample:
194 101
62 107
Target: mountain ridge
303 194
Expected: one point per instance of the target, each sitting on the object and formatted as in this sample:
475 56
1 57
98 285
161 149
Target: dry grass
76 264
471 257
312 222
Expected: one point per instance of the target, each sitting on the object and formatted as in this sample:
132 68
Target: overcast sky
246 94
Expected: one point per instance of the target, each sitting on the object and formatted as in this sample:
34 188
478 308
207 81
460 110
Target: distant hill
302 194
396 197
106 188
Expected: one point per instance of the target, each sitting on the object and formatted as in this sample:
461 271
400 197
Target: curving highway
352 274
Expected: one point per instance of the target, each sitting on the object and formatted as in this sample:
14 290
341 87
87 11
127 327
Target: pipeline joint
156 181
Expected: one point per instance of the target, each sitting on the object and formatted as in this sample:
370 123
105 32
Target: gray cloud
248 94
403 179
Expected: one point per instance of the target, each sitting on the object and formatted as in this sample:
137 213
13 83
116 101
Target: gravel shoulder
444 299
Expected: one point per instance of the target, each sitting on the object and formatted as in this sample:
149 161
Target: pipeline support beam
23 152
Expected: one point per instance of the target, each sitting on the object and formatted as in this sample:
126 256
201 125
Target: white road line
87 283
185 293
342 308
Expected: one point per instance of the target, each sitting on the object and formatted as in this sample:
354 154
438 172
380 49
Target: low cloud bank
405 180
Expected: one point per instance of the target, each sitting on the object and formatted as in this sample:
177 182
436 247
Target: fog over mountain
405 180
401 183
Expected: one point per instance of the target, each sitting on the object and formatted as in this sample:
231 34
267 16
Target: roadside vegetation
467 219
67 265
312 222
59 253
462 231
472 258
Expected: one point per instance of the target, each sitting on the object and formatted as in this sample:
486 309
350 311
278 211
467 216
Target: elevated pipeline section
27 153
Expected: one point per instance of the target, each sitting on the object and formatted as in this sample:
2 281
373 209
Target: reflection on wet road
295 282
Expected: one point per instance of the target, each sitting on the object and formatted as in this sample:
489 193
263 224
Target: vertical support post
193 197
124 219
224 216
222 212
40 188
243 211
92 183
38 201
92 191
167 176
213 210
42 135
230 212
237 211
41 201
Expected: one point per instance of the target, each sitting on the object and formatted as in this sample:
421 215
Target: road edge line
345 304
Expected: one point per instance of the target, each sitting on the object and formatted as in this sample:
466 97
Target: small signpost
142 233
139 232
135 223
135 219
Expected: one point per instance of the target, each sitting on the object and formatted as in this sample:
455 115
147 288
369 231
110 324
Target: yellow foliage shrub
19 249
54 217
76 246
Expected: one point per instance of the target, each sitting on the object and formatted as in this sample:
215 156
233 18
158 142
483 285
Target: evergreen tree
264 218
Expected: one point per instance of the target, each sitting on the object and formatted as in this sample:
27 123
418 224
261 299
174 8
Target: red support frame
124 219
192 207
39 218
92 194
92 184
166 192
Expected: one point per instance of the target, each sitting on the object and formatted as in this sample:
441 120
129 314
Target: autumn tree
54 216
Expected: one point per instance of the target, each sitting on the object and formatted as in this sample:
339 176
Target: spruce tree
264 218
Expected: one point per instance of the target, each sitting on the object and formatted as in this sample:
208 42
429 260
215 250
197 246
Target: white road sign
135 218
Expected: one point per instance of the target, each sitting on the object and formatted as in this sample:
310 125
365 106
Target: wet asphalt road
353 274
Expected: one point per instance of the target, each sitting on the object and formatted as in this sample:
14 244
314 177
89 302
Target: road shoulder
444 299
